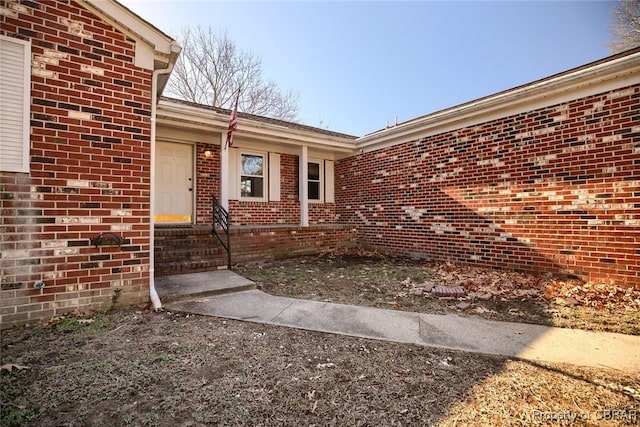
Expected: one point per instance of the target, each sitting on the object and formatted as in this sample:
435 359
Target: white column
304 187
224 172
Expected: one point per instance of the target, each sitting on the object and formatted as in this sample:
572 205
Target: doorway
174 186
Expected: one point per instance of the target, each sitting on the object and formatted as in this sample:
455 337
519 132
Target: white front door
174 183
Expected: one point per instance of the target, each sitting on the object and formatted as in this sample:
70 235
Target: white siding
15 85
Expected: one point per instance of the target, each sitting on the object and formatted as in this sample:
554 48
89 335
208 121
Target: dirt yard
372 280
139 368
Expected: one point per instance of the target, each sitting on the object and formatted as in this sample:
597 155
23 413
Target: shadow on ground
165 369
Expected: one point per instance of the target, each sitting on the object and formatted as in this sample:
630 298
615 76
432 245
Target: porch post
304 186
224 172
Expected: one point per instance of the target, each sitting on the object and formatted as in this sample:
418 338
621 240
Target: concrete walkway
451 331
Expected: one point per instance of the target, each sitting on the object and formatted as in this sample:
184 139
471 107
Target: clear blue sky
357 65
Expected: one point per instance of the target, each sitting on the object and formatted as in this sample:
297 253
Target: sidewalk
451 331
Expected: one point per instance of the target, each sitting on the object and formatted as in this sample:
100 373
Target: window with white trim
253 176
15 86
314 181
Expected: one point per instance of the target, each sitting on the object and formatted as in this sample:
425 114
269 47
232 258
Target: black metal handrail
221 219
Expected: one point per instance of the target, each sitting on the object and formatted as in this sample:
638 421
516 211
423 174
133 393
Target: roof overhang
154 49
608 74
180 115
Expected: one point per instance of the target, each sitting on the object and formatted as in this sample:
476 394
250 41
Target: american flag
233 122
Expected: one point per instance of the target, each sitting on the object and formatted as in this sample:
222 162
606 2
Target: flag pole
233 122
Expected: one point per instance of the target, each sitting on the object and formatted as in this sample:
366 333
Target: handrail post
221 217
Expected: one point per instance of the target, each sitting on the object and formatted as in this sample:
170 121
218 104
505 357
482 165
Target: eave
191 117
164 50
608 74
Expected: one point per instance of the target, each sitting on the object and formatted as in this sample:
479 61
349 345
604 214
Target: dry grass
138 368
145 369
372 280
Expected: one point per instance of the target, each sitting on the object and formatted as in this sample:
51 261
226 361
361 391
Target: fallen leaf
447 361
480 310
325 365
9 367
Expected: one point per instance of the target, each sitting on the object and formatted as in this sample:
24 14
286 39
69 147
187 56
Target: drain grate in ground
449 291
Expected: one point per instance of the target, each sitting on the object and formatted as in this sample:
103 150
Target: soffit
610 73
164 48
181 114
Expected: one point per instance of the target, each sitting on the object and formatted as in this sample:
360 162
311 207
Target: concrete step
183 287
188 266
183 250
188 253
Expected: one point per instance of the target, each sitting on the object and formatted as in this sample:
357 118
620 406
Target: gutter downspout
153 294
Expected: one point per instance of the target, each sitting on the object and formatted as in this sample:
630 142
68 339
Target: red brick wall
322 213
191 249
263 243
555 189
90 151
263 213
207 180
285 211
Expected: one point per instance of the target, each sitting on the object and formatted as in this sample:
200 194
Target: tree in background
211 68
625 26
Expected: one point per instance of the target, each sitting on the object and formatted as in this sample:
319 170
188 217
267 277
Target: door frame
193 191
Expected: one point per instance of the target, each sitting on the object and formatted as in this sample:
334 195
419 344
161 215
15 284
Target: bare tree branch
211 69
625 25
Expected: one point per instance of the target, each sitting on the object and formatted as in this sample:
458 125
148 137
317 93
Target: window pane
314 190
252 165
314 171
251 186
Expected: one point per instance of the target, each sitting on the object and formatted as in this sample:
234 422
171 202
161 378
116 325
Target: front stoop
183 250
183 287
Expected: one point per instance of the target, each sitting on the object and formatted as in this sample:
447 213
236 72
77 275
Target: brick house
543 177
79 83
97 170
105 184
258 180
